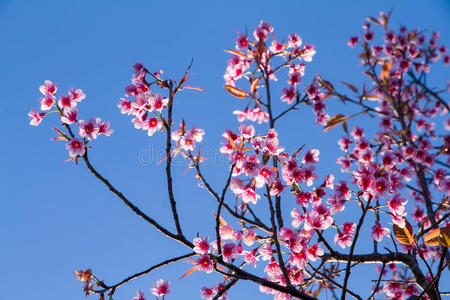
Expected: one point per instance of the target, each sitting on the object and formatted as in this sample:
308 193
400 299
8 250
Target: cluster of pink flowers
67 109
253 59
147 106
209 293
162 288
186 139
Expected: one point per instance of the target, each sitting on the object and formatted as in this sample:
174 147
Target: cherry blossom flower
201 245
343 240
88 129
152 125
70 115
378 232
162 288
76 95
206 293
139 296
66 101
36 117
48 88
47 101
76 147
204 263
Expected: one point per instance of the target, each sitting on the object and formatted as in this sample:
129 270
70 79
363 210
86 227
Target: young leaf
191 270
334 121
194 88
238 53
238 93
254 85
404 235
445 236
433 237
350 86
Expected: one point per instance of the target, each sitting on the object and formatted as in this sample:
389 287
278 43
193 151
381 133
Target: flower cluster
67 109
186 139
254 61
147 107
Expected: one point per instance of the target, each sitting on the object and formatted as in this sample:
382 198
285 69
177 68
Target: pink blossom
88 129
276 188
76 95
104 127
48 88
311 157
249 237
201 245
206 293
47 101
247 131
288 94
66 101
250 257
265 176
204 263
343 240
352 42
297 217
36 117
226 232
162 288
70 115
249 195
139 296
124 106
378 232
152 125
76 147
294 41
157 102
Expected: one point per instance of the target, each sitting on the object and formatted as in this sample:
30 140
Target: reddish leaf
191 270
238 53
221 220
385 70
352 87
404 235
254 85
445 236
238 93
334 121
325 84
433 237
376 21
194 88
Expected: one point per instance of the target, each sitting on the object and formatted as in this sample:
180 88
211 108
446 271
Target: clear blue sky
54 216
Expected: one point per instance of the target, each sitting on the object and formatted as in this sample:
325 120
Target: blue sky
54 216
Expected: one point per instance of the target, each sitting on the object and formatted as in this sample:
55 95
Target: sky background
55 217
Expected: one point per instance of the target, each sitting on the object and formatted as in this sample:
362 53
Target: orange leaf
194 88
326 84
334 121
433 237
238 53
191 270
445 236
376 21
385 70
352 87
254 85
221 220
238 93
60 138
404 235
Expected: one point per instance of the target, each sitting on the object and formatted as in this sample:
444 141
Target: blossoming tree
405 160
